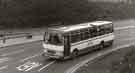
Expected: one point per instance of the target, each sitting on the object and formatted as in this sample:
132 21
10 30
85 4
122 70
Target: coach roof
98 23
79 26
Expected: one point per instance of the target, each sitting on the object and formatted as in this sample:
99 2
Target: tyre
74 54
102 45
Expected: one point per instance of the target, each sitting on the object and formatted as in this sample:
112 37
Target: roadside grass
120 61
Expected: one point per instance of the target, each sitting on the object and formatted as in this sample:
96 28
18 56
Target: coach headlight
59 53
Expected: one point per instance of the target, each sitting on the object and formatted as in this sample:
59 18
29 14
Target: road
27 58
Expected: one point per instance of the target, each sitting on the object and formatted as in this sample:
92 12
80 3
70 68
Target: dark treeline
37 13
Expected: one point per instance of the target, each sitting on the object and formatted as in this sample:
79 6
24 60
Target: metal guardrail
11 34
4 37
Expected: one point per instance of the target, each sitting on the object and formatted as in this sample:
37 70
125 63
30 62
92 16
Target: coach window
75 36
101 30
54 38
85 34
93 32
90 32
78 36
72 37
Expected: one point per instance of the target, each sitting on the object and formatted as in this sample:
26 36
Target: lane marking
14 52
34 66
3 67
27 58
4 59
80 64
28 66
23 66
46 66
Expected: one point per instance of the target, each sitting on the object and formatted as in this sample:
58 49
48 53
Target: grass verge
120 61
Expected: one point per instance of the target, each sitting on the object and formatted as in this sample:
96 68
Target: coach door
66 45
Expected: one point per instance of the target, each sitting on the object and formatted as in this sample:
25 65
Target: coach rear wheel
74 54
102 45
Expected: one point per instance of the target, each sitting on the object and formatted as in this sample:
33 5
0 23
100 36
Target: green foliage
126 64
37 13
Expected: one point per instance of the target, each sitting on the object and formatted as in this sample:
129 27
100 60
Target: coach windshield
53 38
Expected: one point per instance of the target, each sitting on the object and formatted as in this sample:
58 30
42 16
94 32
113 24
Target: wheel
43 54
110 43
74 54
102 45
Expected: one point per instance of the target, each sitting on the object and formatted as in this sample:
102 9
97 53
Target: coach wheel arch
75 53
102 44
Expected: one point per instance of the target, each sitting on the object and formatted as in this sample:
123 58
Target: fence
18 38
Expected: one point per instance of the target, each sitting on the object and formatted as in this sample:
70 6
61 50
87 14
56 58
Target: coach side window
85 34
93 32
75 36
101 30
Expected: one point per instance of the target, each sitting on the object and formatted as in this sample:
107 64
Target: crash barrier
8 40
5 37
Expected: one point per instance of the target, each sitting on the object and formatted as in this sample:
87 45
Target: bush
126 64
38 13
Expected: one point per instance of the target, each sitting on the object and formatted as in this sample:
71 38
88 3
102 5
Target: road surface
27 58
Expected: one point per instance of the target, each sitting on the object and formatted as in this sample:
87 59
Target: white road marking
27 58
28 66
14 52
4 59
34 66
46 65
23 66
80 64
3 67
